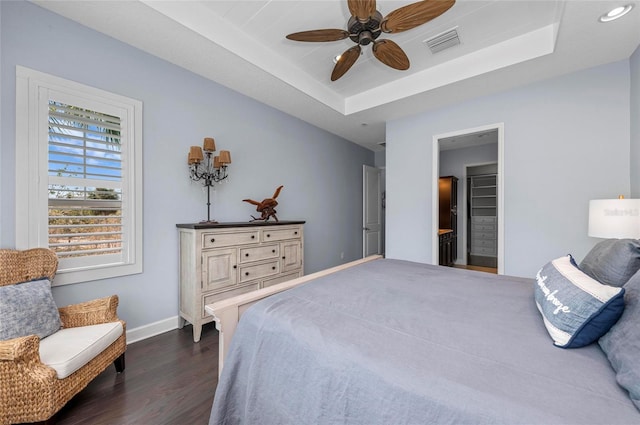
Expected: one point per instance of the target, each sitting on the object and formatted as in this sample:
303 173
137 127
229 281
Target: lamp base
209 221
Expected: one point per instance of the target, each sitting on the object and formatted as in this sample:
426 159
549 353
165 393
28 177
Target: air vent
443 41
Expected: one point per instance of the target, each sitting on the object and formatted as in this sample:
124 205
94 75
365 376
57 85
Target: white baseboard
152 329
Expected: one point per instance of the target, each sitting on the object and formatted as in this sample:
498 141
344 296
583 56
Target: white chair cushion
69 349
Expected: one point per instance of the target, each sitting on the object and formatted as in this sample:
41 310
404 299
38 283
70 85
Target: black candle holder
207 172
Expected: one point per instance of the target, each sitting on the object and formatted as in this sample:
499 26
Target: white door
371 211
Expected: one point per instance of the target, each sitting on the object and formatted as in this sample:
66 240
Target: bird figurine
267 207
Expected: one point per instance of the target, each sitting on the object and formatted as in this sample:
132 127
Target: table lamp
614 218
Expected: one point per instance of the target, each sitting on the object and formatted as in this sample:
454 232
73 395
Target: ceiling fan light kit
366 24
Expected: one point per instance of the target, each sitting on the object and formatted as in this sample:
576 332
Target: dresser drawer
483 227
483 242
483 220
219 239
258 271
257 253
278 234
482 235
208 299
483 250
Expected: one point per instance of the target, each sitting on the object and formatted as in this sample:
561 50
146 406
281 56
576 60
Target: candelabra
208 168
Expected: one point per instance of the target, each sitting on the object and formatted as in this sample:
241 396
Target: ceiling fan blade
389 53
319 35
414 14
362 9
347 59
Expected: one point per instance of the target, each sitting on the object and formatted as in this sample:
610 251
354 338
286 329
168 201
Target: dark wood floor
493 270
168 380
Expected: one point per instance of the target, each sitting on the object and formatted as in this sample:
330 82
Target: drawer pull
295 233
268 235
253 236
284 258
246 273
246 255
273 250
273 268
235 267
213 240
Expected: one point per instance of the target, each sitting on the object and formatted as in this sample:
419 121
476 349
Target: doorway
470 147
481 242
372 214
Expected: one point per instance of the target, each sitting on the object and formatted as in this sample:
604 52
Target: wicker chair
30 390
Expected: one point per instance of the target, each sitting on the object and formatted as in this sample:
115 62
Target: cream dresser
221 260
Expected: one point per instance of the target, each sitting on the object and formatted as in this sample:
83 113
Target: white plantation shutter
85 182
80 190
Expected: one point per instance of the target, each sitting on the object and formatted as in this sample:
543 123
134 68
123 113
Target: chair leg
119 363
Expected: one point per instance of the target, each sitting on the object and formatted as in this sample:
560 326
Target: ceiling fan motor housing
365 32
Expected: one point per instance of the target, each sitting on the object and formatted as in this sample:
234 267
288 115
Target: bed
383 341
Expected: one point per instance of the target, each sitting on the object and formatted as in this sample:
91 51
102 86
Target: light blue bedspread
395 342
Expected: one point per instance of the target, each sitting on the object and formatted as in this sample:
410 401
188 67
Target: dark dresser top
205 225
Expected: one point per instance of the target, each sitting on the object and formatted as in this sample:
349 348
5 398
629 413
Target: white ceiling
241 44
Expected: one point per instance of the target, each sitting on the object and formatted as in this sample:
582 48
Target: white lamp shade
614 218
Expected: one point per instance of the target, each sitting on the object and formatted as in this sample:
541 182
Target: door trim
435 155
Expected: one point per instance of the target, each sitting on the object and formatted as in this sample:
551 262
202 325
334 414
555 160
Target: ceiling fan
365 26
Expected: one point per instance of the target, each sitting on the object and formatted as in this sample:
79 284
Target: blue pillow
27 309
576 309
622 343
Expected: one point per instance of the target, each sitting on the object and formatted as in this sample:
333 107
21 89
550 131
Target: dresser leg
181 322
197 331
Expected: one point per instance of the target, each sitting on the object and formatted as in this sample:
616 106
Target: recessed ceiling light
616 13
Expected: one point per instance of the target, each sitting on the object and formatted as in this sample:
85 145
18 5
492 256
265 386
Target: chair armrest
25 349
24 379
20 363
94 312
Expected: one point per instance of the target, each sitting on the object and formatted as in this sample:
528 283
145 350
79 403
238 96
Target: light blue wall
380 159
635 123
321 173
566 141
453 162
2 164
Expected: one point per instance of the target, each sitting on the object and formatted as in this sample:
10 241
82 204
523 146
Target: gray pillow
622 343
613 261
27 309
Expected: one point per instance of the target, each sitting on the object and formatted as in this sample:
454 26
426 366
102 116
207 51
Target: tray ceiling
242 45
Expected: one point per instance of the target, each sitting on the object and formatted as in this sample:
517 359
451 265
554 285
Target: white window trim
31 174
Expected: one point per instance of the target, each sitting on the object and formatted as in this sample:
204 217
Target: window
78 176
